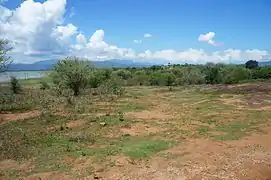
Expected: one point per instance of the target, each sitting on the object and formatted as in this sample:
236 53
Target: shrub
190 75
113 86
231 75
15 85
262 73
72 73
212 75
44 85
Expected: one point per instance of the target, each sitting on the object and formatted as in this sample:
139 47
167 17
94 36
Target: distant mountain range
48 65
267 63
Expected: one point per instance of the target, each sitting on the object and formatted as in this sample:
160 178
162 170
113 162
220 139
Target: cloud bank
38 31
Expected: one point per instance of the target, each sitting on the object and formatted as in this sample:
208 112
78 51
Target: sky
175 31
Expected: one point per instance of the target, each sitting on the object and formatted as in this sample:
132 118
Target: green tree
212 74
5 59
190 75
262 73
72 73
234 74
251 64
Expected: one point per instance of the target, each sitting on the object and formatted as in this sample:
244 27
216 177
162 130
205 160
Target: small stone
103 123
96 176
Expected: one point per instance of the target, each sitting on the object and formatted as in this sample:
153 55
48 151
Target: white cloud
138 41
147 35
209 38
201 57
64 32
37 27
39 32
96 48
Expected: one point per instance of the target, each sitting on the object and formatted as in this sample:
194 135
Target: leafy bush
190 75
113 86
262 73
212 75
72 73
44 85
231 75
15 85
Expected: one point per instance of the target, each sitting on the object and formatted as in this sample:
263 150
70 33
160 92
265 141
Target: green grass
203 130
132 106
132 147
233 131
144 148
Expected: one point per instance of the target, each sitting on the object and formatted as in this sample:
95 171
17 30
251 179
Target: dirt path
7 117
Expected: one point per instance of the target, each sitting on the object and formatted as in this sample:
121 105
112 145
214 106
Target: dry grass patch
141 129
149 115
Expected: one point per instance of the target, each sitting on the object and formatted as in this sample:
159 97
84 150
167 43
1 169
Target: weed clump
15 85
44 85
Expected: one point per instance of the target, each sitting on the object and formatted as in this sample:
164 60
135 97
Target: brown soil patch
141 129
248 158
47 176
217 133
234 102
244 88
198 123
254 96
200 102
77 123
5 118
61 113
9 164
149 115
121 161
265 108
246 104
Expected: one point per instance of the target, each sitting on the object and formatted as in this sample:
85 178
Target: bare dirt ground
222 134
248 158
7 117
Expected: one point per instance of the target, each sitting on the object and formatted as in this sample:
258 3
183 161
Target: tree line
76 73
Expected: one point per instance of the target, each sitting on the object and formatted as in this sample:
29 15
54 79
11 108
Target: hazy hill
48 64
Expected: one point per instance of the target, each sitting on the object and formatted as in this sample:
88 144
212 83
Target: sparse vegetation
91 120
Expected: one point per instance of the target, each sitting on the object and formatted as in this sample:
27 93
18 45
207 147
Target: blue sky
238 26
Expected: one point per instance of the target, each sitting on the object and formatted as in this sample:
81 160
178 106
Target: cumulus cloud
37 27
199 56
39 32
147 35
209 38
97 49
